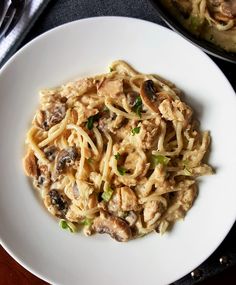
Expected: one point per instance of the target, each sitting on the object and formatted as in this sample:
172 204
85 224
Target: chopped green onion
66 225
91 121
159 159
106 195
121 170
87 222
135 130
117 156
111 69
187 171
138 106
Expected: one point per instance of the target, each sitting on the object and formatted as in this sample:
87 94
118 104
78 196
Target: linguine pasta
117 153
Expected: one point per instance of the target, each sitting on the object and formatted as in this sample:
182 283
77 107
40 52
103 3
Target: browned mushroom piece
149 96
65 158
45 119
50 152
114 226
58 202
43 178
57 115
30 164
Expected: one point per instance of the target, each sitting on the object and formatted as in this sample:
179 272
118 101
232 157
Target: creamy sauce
202 29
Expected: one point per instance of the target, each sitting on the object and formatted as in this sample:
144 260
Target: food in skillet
117 153
212 20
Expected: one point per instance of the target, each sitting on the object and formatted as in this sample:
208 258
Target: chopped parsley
91 121
121 170
159 159
138 106
135 130
117 156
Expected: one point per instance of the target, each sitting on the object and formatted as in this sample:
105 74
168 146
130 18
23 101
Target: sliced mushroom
57 114
30 164
45 119
50 152
114 226
149 96
58 202
44 176
106 120
65 158
63 100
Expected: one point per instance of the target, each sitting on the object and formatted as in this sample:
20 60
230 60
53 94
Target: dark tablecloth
61 11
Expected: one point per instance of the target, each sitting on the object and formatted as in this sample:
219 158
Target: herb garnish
91 121
138 106
135 130
121 170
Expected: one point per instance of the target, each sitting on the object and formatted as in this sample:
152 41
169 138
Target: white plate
83 48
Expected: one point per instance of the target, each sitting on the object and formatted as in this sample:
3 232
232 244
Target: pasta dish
212 20
117 153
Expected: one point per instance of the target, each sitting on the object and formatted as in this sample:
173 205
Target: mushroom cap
114 226
65 157
149 96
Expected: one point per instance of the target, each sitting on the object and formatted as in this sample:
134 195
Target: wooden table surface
12 273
